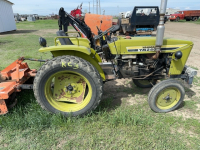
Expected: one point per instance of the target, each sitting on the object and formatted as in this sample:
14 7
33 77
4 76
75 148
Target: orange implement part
93 20
12 77
6 89
3 107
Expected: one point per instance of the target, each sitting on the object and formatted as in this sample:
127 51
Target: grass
110 126
194 67
15 46
196 81
38 25
184 21
28 126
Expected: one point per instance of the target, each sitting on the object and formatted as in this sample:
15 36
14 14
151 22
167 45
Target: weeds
184 21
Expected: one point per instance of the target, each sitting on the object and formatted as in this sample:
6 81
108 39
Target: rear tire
68 85
166 96
194 18
144 83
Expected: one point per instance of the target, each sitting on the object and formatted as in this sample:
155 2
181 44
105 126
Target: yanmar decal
152 48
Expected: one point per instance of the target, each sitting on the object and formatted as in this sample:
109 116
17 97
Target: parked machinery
71 83
142 21
186 14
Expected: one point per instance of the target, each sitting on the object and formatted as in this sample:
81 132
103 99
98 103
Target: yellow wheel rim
68 91
168 98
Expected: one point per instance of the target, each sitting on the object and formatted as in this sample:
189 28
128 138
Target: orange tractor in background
92 20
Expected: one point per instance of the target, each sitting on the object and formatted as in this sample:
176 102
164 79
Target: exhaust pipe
160 29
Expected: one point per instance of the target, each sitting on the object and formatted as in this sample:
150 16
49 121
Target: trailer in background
186 14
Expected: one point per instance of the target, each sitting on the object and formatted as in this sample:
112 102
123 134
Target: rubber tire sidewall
155 91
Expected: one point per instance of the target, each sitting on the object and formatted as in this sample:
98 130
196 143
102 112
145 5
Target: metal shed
7 21
30 18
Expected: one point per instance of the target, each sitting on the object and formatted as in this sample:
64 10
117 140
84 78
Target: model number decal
69 64
152 48
146 49
141 50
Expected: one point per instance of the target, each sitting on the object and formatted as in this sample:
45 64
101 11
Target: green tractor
72 82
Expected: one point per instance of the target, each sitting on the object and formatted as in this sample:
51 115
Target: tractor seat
64 41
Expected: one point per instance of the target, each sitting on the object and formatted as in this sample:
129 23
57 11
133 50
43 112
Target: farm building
7 20
31 18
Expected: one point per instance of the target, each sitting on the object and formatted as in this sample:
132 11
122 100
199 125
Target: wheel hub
72 88
167 98
69 88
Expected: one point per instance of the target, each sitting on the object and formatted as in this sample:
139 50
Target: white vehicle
122 14
127 14
170 11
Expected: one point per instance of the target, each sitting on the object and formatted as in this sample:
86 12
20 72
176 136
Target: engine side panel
146 45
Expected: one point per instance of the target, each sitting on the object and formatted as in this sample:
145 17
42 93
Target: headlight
42 42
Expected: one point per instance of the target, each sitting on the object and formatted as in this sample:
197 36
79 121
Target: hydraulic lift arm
65 19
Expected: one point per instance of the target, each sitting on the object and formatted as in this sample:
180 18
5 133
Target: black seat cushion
64 41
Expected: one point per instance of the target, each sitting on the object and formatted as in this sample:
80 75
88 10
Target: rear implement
12 80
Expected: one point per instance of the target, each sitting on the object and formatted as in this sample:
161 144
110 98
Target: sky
111 7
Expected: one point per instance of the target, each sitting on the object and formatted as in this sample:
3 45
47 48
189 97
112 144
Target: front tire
166 96
68 85
177 19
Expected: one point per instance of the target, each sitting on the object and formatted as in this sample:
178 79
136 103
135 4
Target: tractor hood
142 45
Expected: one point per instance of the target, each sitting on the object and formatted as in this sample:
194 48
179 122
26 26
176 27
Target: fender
88 54
82 42
82 49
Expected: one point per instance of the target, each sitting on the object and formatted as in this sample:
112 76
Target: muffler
160 29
